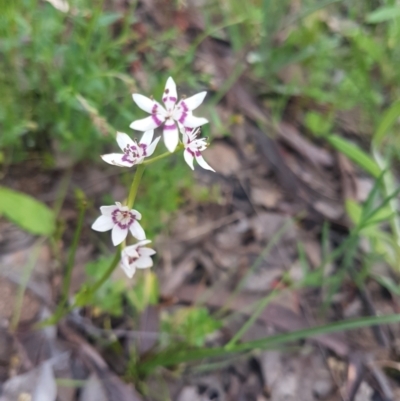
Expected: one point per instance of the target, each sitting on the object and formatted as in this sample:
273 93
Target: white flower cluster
177 116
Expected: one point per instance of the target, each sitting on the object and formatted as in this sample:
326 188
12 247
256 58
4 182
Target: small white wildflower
171 115
136 257
134 153
194 147
60 5
120 220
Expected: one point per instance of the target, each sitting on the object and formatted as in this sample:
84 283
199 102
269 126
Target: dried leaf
93 390
39 383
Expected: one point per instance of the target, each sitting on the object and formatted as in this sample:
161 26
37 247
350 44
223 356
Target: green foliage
25 211
383 14
192 325
49 60
356 154
109 297
145 292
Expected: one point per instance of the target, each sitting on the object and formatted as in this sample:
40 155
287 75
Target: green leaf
26 212
356 154
173 357
354 210
388 120
383 14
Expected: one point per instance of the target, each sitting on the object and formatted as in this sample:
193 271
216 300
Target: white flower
194 147
136 257
172 114
134 153
120 220
60 5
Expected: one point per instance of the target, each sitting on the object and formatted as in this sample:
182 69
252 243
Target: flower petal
148 105
137 215
127 268
170 96
147 251
118 234
131 251
123 140
188 158
139 244
193 122
148 123
171 135
185 138
144 262
137 230
192 102
107 210
116 160
152 147
203 163
147 137
103 223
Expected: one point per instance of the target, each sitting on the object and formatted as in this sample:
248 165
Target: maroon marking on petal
126 158
132 259
156 119
169 127
173 99
166 91
144 148
197 153
184 106
182 118
154 109
164 99
114 216
190 151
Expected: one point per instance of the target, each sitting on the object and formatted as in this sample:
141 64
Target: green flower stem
62 308
107 273
135 185
131 200
163 155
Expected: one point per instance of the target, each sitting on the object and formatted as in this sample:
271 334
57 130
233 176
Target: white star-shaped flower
173 114
194 147
120 220
136 257
134 153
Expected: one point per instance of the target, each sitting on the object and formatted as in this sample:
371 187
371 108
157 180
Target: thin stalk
163 155
135 185
131 200
70 265
265 252
176 356
256 314
107 273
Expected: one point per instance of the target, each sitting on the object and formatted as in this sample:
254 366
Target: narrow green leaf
26 212
356 154
383 14
354 210
175 356
388 120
